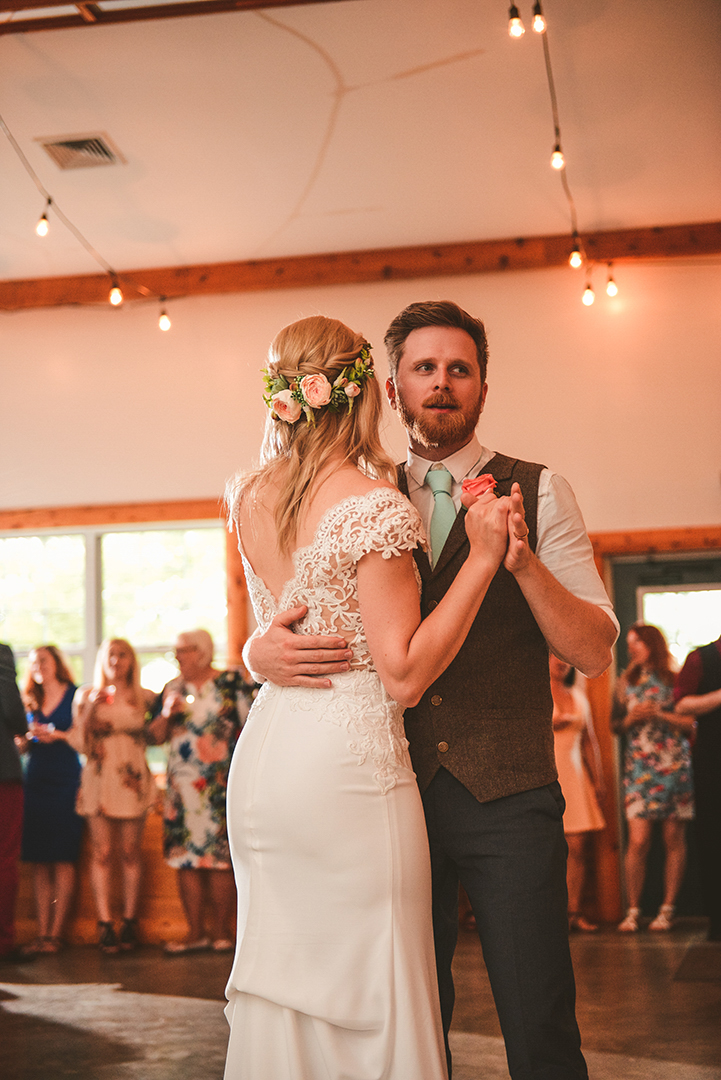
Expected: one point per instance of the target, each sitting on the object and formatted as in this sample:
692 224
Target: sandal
576 921
630 923
180 948
223 945
129 935
664 920
108 940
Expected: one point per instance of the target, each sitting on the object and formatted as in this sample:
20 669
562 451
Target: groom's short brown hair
434 313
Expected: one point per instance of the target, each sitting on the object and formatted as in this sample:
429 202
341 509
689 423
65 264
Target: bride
334 972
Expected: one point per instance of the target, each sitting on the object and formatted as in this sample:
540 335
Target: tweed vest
487 719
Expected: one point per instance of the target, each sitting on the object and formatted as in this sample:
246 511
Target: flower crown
288 401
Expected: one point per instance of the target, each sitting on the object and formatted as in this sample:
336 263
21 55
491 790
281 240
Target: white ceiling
358 124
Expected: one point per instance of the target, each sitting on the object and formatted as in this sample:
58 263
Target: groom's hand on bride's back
288 659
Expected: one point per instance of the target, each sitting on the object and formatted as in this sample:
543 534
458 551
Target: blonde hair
293 454
101 679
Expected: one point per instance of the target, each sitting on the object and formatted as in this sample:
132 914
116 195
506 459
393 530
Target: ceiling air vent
82 151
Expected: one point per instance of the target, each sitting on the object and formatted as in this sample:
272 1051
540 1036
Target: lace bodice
325 576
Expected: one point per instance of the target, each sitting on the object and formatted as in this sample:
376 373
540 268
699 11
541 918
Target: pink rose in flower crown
286 407
316 390
352 390
473 489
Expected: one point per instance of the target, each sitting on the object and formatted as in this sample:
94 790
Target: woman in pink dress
116 786
579 774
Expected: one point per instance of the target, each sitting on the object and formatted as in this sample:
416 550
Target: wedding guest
698 696
657 777
12 725
116 786
579 774
52 830
202 714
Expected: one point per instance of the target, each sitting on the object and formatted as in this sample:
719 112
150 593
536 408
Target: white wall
624 398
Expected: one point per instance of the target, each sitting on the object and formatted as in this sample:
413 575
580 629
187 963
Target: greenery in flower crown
353 375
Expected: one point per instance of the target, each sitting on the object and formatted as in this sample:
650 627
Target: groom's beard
434 430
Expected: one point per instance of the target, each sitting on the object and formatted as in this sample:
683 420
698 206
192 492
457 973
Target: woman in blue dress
52 831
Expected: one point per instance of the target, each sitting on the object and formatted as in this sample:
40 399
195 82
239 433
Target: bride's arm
409 654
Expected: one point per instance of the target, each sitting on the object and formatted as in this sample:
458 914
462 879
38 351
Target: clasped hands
499 524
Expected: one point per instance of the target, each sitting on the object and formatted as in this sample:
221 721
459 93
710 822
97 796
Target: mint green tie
440 482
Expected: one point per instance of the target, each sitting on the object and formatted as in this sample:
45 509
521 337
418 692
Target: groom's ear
391 392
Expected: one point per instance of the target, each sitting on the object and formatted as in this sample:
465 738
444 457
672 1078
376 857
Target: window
73 589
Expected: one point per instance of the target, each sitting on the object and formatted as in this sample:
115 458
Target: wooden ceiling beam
141 13
354 267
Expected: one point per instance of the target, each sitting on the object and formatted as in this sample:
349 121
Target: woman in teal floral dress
657 777
202 713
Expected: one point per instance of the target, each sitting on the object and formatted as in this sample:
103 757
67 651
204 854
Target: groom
481 739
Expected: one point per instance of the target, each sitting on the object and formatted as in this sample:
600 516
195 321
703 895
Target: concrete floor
649 1007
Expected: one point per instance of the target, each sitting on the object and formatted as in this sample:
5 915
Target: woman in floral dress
202 714
657 776
116 786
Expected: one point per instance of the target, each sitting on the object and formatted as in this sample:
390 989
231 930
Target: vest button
432 604
436 699
443 747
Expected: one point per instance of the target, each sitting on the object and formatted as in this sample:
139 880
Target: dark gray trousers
510 856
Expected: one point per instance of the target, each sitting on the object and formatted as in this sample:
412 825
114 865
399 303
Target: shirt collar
459 464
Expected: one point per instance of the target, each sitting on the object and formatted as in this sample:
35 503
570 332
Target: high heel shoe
129 935
664 920
630 923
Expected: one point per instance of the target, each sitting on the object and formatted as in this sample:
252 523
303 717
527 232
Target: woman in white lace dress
334 972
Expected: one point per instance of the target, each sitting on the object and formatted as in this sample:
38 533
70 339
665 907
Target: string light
611 286
575 259
539 22
116 295
558 161
516 29
588 295
164 322
43 226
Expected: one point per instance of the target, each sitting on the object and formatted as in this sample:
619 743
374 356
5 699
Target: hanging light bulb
558 161
164 322
539 22
116 296
516 29
588 295
611 286
43 226
575 259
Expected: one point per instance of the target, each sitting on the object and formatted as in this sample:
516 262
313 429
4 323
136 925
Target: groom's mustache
440 401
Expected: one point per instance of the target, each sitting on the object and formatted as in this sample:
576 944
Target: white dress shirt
563 545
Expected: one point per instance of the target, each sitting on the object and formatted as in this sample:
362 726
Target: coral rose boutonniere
473 489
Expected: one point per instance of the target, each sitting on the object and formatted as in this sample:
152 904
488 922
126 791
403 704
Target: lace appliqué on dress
325 580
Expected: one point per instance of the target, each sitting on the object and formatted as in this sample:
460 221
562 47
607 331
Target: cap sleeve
382 520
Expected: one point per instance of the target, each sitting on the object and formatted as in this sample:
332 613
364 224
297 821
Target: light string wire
557 132
65 220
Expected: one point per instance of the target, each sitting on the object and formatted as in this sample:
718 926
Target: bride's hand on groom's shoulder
289 659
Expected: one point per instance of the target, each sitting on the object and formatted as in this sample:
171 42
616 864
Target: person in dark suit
481 738
698 693
12 724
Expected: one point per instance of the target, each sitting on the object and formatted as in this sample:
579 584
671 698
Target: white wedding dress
334 973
